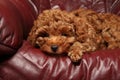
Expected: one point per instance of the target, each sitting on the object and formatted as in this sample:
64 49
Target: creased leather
16 19
31 64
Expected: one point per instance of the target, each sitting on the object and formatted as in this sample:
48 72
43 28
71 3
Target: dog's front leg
76 51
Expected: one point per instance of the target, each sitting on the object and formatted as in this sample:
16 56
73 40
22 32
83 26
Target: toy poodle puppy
75 33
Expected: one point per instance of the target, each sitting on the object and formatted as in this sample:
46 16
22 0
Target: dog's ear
31 39
32 36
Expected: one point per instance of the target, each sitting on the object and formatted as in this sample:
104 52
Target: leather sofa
21 61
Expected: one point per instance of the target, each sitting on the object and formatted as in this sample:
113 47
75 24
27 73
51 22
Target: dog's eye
44 34
64 34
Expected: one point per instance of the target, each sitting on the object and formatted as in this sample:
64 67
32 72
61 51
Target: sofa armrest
16 20
30 63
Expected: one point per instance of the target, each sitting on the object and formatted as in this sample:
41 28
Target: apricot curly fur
56 32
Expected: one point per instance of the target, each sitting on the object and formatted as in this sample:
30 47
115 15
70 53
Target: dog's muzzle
54 48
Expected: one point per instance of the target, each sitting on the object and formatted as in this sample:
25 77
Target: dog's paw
75 57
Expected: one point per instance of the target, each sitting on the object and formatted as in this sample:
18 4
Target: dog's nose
54 48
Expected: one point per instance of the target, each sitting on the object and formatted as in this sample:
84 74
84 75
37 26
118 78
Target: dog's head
53 32
55 38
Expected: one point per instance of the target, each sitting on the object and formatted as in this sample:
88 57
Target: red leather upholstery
29 63
16 19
